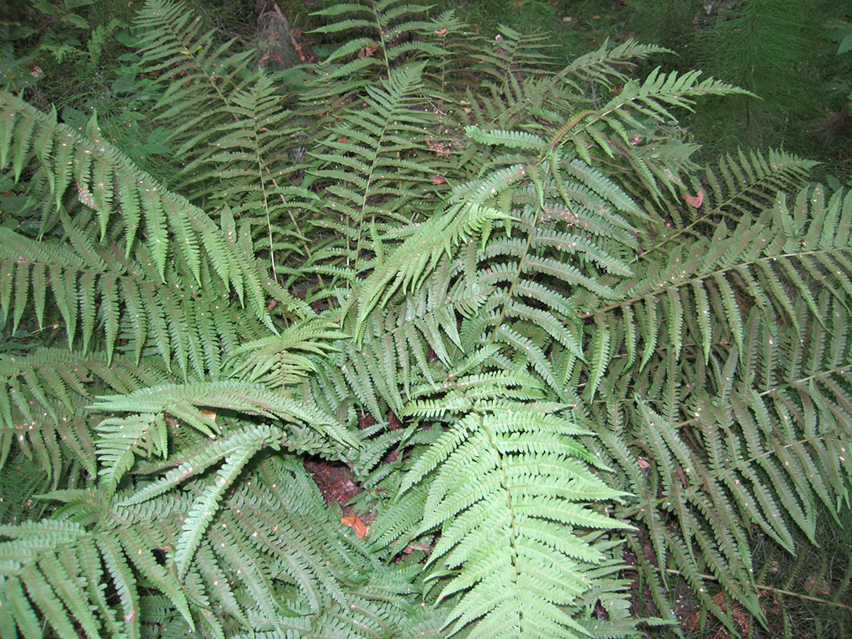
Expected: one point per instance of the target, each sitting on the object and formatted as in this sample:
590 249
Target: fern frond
532 483
721 454
366 159
382 28
198 76
756 265
96 291
284 359
43 400
607 64
126 193
184 402
652 98
739 185
55 571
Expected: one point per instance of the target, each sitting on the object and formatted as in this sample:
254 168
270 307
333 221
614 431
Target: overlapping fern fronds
263 559
373 166
537 358
126 200
199 74
743 418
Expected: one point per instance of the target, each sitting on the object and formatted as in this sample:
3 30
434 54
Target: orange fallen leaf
437 179
355 524
441 32
694 200
209 414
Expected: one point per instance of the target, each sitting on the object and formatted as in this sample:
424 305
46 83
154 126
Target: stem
777 591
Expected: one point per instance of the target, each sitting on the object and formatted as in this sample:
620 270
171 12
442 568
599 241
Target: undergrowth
585 386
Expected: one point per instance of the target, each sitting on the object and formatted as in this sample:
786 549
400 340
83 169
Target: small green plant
568 369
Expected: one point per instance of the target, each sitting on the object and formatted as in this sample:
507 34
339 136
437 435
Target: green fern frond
739 185
386 23
532 482
60 579
96 291
43 400
254 147
126 193
607 64
184 402
197 74
364 161
284 359
742 444
756 265
653 98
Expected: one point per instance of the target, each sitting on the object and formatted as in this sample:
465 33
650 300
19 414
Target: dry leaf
368 51
437 179
441 31
694 200
209 414
644 463
355 524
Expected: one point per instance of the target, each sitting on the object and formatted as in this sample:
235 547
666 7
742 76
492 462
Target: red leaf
355 524
695 200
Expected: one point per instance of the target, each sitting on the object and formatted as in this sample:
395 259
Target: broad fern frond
254 148
770 264
653 98
514 547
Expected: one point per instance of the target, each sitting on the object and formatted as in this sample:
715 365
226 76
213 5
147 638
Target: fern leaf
242 447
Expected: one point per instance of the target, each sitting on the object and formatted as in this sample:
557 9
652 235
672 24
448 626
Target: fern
499 291
518 567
